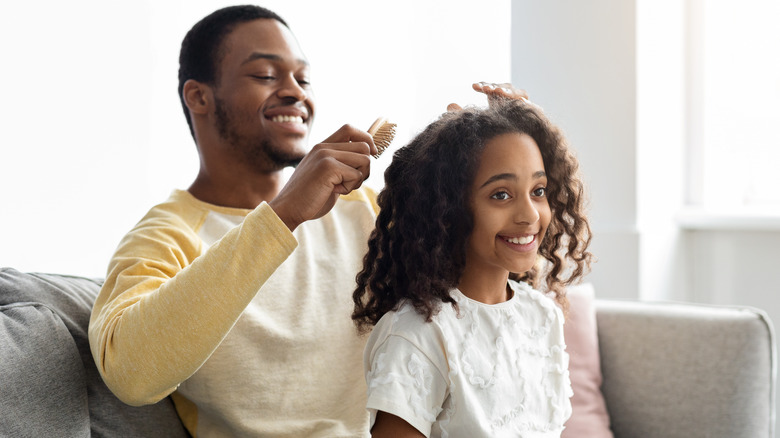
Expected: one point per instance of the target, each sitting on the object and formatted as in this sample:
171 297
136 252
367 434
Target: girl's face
509 205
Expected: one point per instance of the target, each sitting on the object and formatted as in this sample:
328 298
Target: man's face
263 100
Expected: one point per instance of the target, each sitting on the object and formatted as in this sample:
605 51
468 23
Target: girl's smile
521 244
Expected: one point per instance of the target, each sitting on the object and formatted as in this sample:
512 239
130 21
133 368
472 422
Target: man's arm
165 308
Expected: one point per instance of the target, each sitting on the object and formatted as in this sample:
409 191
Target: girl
479 212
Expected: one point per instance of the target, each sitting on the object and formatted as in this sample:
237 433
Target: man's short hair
201 48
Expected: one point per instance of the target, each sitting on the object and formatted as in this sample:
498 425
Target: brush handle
376 125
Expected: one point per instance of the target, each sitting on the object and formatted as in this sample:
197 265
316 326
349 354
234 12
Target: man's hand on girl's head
505 90
494 91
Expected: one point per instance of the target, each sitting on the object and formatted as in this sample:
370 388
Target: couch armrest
44 352
684 370
42 383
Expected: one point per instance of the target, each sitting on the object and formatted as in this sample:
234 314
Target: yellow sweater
247 322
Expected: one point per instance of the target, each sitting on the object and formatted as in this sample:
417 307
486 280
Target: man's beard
259 153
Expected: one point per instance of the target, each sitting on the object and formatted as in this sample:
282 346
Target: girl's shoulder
406 319
406 323
527 295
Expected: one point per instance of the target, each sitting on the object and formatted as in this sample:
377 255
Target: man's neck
236 191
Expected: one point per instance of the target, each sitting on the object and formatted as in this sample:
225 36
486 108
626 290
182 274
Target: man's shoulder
172 223
180 210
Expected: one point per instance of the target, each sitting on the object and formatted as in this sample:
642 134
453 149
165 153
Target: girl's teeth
287 119
521 240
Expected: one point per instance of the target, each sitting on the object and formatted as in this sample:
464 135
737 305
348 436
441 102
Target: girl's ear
197 96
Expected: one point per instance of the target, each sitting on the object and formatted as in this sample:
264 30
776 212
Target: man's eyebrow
259 55
512 177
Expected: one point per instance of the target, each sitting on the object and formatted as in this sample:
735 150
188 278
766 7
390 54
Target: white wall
662 117
577 59
91 129
615 75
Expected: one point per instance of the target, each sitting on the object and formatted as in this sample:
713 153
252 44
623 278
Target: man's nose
291 88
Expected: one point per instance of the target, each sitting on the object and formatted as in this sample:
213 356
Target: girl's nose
526 211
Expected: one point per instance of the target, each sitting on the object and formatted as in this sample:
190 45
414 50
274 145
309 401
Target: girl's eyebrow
512 177
499 177
539 174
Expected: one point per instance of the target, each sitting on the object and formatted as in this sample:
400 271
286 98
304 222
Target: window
734 98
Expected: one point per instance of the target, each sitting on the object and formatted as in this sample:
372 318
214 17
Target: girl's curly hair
417 252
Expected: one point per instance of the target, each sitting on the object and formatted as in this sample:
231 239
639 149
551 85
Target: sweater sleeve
165 308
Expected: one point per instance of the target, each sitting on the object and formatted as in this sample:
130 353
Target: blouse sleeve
406 381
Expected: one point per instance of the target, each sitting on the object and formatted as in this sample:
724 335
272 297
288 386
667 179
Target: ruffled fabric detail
418 380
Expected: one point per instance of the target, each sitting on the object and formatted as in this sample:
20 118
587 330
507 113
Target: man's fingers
349 133
349 154
325 172
505 90
347 179
342 160
493 92
357 147
353 160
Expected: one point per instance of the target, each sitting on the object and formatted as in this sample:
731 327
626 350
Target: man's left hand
494 91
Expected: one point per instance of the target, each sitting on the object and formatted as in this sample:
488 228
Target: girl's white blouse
488 370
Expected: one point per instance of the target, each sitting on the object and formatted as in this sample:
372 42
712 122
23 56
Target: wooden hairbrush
383 133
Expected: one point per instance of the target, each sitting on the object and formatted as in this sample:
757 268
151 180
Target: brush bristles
383 133
383 137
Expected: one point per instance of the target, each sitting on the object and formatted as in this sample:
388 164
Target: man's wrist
283 215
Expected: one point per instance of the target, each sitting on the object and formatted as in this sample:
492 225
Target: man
234 296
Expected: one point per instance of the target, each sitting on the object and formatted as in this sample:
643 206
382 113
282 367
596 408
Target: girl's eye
540 192
500 196
304 82
264 78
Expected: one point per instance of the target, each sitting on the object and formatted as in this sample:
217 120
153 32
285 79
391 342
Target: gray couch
686 370
670 370
49 385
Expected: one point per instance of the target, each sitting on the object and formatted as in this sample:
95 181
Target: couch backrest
49 385
681 370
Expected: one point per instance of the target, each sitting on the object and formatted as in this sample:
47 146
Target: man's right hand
332 168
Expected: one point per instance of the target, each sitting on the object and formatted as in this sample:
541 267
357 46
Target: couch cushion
589 416
70 299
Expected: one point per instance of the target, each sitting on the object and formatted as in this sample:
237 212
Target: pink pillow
589 416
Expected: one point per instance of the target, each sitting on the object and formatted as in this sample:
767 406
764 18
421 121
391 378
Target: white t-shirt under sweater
492 371
246 324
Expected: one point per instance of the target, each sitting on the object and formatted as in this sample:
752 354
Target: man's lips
292 119
287 114
286 119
